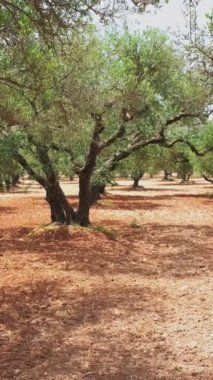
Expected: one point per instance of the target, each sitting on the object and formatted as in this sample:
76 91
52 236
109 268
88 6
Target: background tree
10 171
146 83
203 154
141 162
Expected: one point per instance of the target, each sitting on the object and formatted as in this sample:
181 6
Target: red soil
130 300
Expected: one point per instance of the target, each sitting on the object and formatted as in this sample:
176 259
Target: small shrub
135 224
109 232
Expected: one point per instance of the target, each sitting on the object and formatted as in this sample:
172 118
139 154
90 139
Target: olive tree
98 102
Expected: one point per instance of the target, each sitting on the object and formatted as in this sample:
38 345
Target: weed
135 224
110 233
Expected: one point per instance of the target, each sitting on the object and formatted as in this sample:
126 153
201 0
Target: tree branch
55 147
207 178
117 135
95 145
195 150
181 116
26 166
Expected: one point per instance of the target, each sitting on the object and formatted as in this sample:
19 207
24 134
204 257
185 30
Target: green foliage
210 21
204 141
143 161
53 93
8 166
144 69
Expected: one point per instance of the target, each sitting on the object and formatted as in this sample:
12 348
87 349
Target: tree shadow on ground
179 251
14 232
7 210
128 203
208 197
89 316
151 250
142 190
57 329
147 251
141 201
149 189
182 184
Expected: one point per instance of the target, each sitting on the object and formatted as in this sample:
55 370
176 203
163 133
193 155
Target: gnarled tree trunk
61 210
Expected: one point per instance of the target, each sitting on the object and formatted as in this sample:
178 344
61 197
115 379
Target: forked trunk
61 210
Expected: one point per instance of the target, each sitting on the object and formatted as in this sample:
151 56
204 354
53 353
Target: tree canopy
92 102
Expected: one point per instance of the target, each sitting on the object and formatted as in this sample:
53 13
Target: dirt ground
129 299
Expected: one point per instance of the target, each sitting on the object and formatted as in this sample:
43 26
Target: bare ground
129 301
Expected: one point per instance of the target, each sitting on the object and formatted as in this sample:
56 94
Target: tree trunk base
136 180
186 182
138 188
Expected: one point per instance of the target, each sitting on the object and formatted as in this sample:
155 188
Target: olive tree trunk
84 199
136 179
61 210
